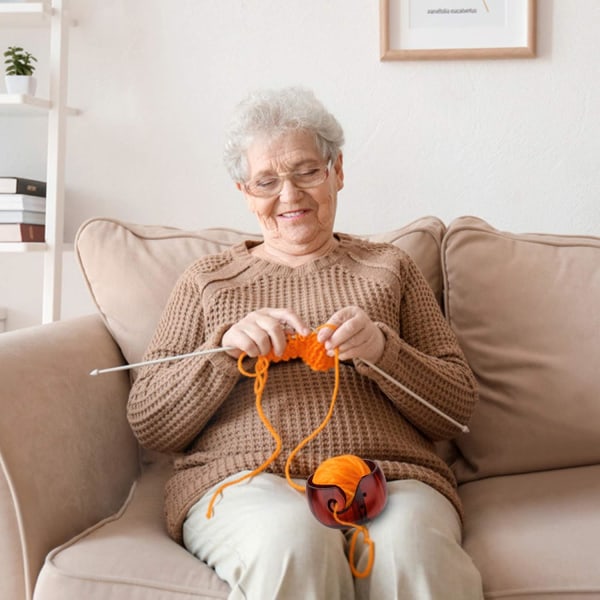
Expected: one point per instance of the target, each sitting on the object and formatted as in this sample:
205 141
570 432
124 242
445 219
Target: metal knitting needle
161 360
164 359
416 396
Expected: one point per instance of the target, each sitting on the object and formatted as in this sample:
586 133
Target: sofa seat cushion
129 556
536 536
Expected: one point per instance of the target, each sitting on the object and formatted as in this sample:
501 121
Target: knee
415 506
418 539
300 535
418 524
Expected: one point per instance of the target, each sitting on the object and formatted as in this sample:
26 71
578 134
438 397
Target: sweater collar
242 251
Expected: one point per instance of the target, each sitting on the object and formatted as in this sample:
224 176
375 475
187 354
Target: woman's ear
338 167
247 198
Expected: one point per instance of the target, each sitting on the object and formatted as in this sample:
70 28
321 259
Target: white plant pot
20 84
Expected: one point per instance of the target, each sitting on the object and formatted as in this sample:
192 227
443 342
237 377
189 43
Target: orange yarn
312 352
345 471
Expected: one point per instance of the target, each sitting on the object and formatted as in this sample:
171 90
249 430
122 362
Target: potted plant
19 70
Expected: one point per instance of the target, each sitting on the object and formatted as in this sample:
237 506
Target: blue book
22 202
22 216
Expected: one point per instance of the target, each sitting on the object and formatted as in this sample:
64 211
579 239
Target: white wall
513 141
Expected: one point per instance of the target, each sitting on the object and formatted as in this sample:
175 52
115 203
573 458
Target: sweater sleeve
425 356
171 402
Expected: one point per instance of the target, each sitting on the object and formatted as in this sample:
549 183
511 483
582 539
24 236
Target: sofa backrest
131 269
526 309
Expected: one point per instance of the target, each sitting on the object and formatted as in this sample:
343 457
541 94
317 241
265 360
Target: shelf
24 14
14 105
8 247
22 247
52 15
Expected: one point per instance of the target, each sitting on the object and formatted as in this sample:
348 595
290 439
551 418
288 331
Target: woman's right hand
263 330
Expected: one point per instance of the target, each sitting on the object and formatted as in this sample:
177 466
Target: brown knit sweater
203 408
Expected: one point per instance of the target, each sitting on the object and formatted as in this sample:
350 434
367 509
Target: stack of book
22 210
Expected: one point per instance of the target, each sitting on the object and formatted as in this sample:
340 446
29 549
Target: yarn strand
358 530
317 431
261 372
312 353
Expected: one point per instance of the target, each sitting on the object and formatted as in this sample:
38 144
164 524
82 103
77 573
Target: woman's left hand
355 335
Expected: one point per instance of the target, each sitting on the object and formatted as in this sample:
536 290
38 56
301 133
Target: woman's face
296 222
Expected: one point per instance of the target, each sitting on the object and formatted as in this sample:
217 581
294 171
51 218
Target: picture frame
457 29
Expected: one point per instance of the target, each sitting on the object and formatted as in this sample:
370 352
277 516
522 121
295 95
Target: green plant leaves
19 62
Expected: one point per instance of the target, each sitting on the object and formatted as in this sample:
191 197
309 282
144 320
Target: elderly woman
284 154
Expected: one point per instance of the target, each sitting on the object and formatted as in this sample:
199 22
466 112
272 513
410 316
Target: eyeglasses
269 186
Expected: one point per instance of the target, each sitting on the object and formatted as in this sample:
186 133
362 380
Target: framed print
447 29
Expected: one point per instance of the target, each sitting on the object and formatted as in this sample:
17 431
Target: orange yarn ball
345 472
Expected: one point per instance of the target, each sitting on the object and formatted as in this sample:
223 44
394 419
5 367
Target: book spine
30 187
32 233
21 232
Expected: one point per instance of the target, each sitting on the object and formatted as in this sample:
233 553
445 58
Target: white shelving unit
25 14
51 14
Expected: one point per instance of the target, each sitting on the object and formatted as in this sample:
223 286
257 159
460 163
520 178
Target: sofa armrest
67 454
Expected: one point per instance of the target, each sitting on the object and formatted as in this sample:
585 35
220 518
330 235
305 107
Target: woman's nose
289 192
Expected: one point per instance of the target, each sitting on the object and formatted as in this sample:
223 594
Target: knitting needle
161 360
416 396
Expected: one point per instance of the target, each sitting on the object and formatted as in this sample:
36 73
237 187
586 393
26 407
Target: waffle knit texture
203 409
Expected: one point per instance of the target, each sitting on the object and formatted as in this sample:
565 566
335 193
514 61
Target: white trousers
266 544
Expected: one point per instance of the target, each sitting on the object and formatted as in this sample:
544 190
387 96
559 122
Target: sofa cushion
525 309
129 556
535 536
131 269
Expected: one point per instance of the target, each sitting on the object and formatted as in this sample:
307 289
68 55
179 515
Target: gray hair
271 113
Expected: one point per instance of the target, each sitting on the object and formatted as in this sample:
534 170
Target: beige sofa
81 506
